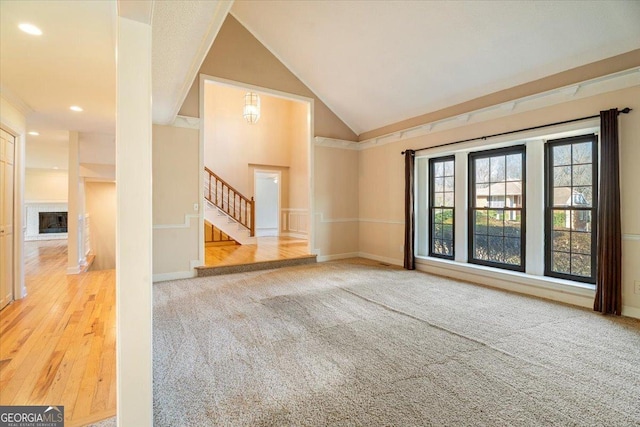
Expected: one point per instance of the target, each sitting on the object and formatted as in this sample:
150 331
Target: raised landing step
254 266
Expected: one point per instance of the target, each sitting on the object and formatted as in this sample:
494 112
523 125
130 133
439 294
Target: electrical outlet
636 289
195 207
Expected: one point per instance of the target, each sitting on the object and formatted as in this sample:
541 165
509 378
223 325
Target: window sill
543 286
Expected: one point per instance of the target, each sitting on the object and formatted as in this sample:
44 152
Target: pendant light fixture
251 110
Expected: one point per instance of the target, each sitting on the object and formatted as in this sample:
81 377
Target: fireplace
52 222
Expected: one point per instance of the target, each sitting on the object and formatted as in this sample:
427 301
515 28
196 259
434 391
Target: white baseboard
392 261
294 235
177 275
74 270
631 311
333 257
511 281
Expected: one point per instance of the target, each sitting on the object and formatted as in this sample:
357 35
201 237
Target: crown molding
186 122
337 143
597 86
12 98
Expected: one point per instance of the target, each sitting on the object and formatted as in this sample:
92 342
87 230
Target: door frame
204 78
256 172
18 287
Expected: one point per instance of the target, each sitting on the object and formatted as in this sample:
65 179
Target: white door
267 197
7 155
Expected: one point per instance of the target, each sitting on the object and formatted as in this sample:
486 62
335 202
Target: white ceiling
378 62
373 63
73 63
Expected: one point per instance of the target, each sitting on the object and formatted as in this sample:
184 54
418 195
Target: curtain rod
623 111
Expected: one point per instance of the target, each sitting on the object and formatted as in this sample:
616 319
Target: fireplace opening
53 222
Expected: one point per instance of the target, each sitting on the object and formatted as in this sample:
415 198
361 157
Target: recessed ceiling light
75 108
30 29
34 133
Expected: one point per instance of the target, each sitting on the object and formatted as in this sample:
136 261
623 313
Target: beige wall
381 183
335 202
46 185
237 55
176 173
100 205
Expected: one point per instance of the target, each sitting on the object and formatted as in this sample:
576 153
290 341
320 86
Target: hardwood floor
267 249
57 345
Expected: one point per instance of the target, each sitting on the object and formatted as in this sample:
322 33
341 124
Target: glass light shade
251 110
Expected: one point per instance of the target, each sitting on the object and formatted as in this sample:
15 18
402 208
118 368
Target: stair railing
229 200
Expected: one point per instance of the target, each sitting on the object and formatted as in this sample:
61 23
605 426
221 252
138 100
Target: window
497 207
571 169
441 206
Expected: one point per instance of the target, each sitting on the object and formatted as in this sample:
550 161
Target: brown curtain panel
609 270
409 214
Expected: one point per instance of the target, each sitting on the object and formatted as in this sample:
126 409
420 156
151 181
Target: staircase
229 210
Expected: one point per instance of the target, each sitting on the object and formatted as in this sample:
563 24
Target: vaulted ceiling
378 62
372 62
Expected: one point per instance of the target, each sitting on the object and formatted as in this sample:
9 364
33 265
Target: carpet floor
355 343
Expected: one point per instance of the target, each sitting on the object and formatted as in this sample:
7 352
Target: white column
73 251
534 262
422 206
134 224
461 212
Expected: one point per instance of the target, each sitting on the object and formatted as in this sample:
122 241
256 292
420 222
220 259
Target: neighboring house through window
571 208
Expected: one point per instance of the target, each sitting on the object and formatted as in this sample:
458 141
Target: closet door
7 155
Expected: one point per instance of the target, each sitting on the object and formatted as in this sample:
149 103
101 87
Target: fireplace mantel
32 216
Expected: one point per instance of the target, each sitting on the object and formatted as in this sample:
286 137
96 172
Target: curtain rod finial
626 110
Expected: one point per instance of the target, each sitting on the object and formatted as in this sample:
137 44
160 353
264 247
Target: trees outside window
571 169
497 207
441 206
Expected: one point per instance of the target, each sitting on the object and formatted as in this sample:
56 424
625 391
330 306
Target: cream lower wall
100 205
176 175
381 179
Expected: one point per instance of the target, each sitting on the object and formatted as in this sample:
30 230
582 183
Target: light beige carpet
358 344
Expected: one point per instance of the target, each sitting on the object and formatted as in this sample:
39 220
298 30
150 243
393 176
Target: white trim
163 277
310 102
236 84
545 287
343 144
631 311
278 226
185 224
603 84
216 21
74 270
12 98
392 261
186 122
382 221
334 257
302 236
330 220
630 236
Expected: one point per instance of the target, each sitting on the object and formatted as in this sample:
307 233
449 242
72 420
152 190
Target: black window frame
549 207
431 207
512 149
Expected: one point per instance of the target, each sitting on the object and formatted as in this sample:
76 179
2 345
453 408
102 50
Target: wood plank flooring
57 345
266 249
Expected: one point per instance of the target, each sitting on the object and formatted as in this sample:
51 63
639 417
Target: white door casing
7 157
